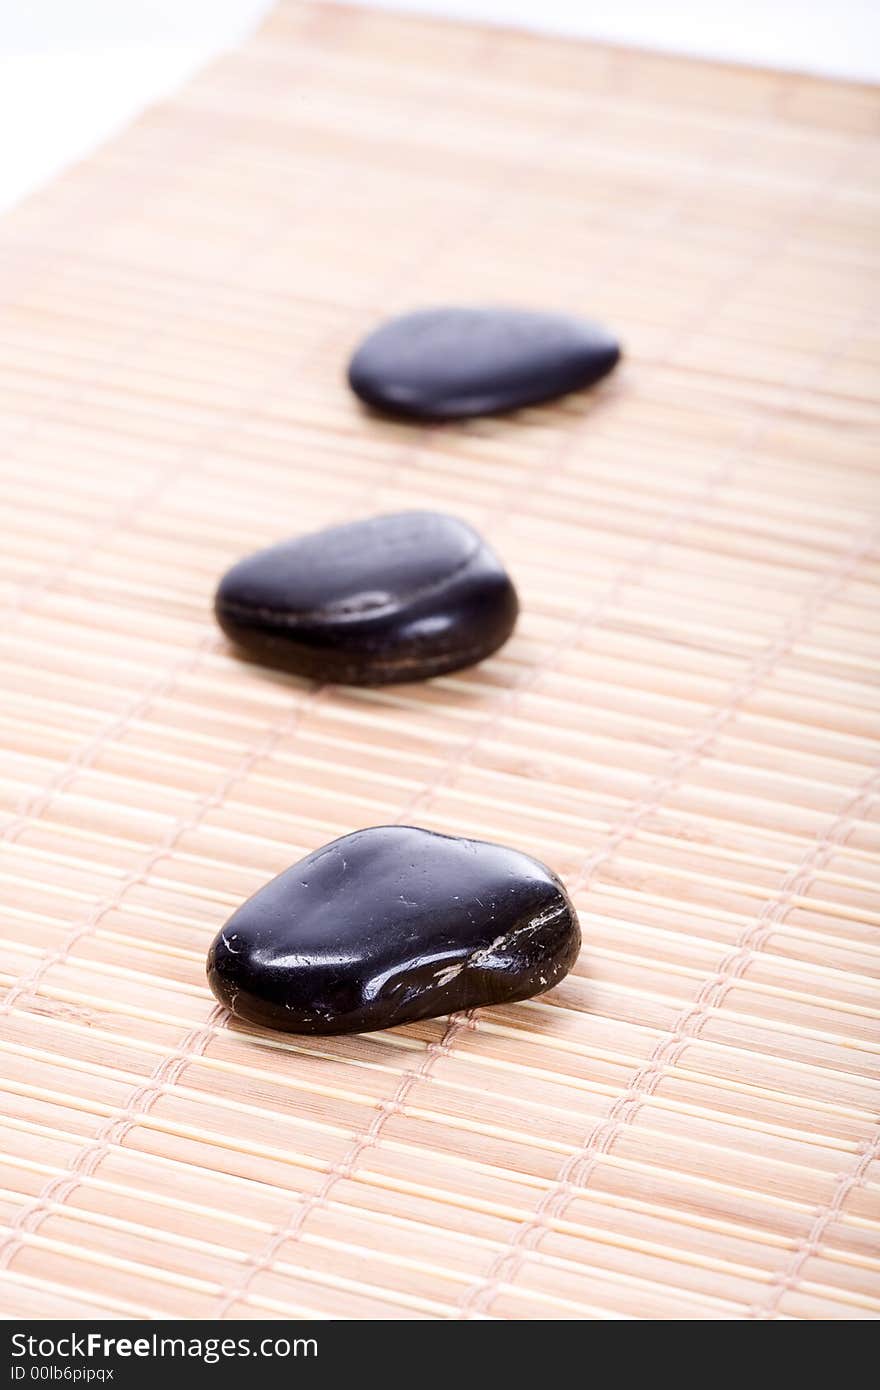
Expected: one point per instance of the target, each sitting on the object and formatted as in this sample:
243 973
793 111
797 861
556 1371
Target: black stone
395 598
390 925
447 364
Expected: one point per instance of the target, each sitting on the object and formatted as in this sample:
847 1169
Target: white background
72 72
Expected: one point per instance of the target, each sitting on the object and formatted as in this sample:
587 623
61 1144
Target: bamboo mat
685 724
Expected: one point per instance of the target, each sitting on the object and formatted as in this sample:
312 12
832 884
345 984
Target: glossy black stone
447 364
393 924
395 598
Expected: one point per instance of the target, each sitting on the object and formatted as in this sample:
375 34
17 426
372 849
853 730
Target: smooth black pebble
390 925
447 364
394 598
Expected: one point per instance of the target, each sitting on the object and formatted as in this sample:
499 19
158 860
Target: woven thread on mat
505 1268
782 1283
170 1067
